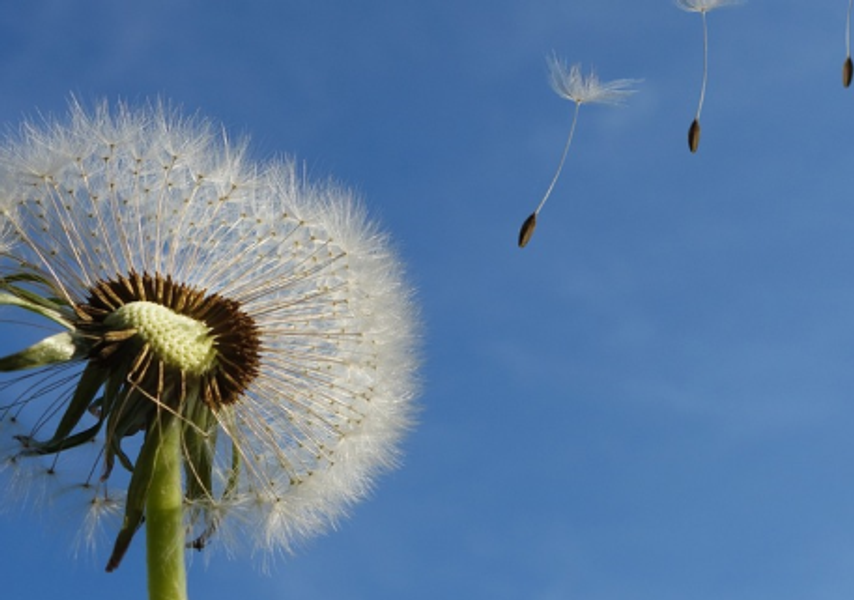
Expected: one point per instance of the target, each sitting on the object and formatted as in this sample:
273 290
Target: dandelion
848 65
702 7
570 84
234 355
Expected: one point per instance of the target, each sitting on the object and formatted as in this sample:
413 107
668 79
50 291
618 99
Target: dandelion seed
257 322
848 65
570 84
702 7
101 511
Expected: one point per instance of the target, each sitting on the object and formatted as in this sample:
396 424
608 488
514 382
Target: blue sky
653 400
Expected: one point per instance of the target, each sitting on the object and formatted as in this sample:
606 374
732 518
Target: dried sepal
694 135
527 230
847 71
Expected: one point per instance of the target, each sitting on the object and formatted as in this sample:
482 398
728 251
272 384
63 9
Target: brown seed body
527 230
847 71
694 135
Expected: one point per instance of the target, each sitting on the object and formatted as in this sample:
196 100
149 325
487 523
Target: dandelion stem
562 159
164 525
705 65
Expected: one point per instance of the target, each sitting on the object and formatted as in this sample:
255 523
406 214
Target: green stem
164 520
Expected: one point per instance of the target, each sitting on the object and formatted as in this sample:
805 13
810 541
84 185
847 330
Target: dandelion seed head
571 84
265 311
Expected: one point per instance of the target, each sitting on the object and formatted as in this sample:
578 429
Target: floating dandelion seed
702 7
227 320
570 84
848 65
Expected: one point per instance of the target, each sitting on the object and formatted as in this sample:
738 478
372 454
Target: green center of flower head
141 325
178 340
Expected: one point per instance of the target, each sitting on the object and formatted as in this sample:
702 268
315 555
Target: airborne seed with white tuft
570 84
